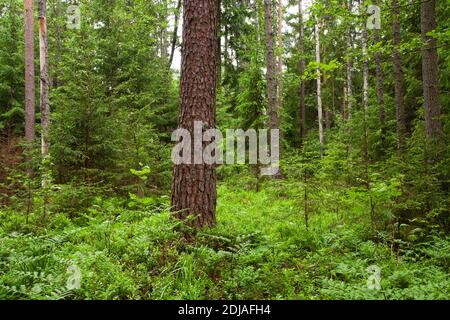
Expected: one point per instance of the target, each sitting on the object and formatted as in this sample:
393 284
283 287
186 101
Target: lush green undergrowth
260 249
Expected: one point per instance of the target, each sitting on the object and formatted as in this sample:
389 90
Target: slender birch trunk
270 64
302 70
44 77
280 59
319 85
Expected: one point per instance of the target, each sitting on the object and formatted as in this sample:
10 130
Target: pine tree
194 185
29 72
433 124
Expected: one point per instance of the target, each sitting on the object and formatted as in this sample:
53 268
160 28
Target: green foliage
259 250
100 204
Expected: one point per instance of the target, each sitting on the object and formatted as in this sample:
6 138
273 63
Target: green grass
260 249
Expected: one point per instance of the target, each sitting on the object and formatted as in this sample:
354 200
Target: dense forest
348 199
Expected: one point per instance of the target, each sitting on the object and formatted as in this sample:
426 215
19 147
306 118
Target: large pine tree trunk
319 85
43 58
302 70
398 77
432 105
270 63
29 72
194 185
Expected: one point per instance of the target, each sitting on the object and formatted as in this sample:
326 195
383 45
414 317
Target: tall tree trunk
30 134
349 67
302 70
319 85
175 32
30 96
163 32
55 78
280 59
365 86
270 63
432 104
398 76
194 185
219 44
365 70
344 102
380 92
43 58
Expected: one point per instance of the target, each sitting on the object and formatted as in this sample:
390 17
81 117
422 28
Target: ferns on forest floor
260 249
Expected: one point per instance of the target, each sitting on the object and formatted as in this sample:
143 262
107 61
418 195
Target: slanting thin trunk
280 58
270 63
302 70
319 85
175 32
398 77
30 134
194 185
43 58
432 104
163 32
349 67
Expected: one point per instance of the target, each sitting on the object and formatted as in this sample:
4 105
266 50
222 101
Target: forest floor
260 249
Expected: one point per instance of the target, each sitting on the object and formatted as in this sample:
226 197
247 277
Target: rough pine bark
30 134
319 87
44 76
194 185
302 70
432 105
398 77
270 64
